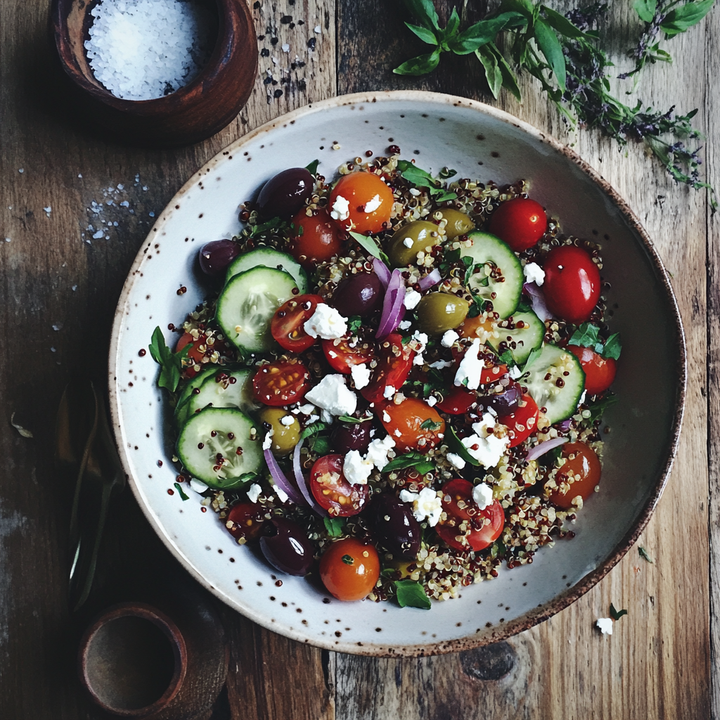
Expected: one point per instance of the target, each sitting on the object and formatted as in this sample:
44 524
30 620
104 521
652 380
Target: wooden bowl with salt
192 112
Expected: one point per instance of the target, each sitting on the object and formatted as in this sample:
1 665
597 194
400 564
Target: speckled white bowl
480 142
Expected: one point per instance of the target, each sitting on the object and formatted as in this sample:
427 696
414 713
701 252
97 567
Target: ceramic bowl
480 142
194 112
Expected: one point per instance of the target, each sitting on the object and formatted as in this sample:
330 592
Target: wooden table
61 185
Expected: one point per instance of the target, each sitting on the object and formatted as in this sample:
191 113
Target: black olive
396 529
215 256
505 402
351 436
289 549
285 194
359 294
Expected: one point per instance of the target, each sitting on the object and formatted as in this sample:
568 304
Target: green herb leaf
170 362
493 74
455 445
532 357
348 559
585 336
312 167
612 347
275 223
498 550
424 12
644 555
420 65
598 407
430 425
314 429
562 25
411 459
479 34
370 246
181 492
645 9
248 477
411 594
551 48
427 36
334 526
682 18
321 445
354 323
616 614
452 26
353 420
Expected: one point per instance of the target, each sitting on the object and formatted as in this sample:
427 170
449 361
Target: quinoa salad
398 382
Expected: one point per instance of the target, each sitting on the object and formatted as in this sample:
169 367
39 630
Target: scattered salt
317 29
145 49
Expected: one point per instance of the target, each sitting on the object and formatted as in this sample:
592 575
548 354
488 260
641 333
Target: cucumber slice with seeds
226 388
270 258
187 390
498 275
555 381
220 446
247 304
521 341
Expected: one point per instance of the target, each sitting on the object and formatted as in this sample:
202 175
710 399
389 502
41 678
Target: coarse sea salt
145 49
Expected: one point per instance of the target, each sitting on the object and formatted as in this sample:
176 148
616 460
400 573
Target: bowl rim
565 598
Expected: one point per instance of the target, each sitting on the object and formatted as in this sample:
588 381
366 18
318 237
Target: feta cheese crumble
287 421
377 451
482 495
455 460
333 395
372 205
471 367
427 505
534 273
412 298
326 323
340 209
356 469
267 442
408 242
404 324
360 375
605 625
448 338
388 392
254 492
484 446
198 486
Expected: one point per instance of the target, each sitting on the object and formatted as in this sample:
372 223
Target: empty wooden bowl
190 114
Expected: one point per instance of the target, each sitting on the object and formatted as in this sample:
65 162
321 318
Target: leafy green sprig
171 363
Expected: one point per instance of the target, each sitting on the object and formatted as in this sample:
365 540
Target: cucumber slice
187 390
270 258
220 432
521 341
248 302
498 277
553 363
225 389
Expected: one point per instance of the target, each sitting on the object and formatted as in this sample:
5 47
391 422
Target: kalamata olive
358 294
289 549
438 312
215 256
284 194
395 527
504 402
458 223
351 436
410 239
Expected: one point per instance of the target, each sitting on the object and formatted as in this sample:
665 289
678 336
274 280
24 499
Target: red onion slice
393 309
543 447
537 300
382 271
432 278
280 480
565 424
302 483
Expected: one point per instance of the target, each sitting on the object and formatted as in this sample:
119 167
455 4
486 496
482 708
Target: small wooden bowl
194 112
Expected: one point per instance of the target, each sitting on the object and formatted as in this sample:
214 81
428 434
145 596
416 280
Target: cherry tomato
572 283
342 354
412 424
394 362
315 239
522 423
476 326
370 202
199 350
287 323
282 382
245 520
581 470
466 526
332 490
349 569
599 371
520 223
457 401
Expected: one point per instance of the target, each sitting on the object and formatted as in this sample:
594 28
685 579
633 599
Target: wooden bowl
195 111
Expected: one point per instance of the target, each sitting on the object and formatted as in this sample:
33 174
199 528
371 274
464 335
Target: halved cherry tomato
245 520
332 490
282 382
370 202
199 350
412 424
466 526
581 470
473 327
315 239
394 362
572 283
520 223
342 354
457 401
287 323
522 423
349 569
599 371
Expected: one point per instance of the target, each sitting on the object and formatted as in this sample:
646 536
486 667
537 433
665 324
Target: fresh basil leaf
493 74
424 12
354 323
612 347
532 357
370 246
411 459
430 424
314 429
170 362
275 223
441 196
420 65
427 36
598 407
334 526
616 614
508 76
181 492
562 25
411 594
453 25
644 555
455 445
645 9
479 34
587 335
524 7
321 445
682 18
551 48
312 167
498 550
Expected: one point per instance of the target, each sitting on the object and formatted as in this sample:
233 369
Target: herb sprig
171 363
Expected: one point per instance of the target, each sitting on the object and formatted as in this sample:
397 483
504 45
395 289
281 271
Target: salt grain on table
145 49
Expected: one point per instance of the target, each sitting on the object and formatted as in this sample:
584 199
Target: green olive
438 312
410 239
284 437
458 223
